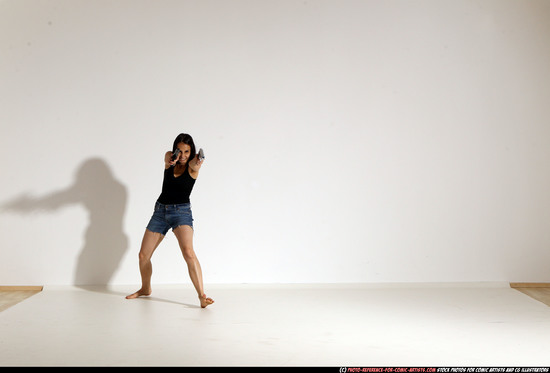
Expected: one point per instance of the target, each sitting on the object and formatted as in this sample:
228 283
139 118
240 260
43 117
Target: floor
278 325
538 293
9 298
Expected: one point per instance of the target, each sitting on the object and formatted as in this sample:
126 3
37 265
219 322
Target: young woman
173 210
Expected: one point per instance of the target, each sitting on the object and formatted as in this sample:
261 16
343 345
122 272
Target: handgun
175 155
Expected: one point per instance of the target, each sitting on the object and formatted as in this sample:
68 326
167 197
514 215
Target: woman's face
185 153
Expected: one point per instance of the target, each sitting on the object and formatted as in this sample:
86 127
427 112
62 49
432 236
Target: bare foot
205 301
139 293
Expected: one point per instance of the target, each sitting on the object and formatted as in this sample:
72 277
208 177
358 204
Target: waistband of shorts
159 206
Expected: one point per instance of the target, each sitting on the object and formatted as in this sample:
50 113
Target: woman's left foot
205 301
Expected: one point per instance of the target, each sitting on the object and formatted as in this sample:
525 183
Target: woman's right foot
205 301
139 293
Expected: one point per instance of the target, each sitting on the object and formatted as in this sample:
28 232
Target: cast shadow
105 289
104 198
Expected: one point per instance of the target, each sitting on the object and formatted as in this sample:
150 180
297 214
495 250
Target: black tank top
176 190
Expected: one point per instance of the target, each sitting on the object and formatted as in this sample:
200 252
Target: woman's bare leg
149 244
184 234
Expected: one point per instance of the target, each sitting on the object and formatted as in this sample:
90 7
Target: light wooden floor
9 298
540 294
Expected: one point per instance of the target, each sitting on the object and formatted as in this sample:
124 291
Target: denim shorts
170 216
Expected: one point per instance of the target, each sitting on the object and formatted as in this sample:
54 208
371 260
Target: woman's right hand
168 162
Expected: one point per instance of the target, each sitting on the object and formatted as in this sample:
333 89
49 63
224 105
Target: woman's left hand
195 163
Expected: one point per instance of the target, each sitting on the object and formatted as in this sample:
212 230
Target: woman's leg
149 244
184 234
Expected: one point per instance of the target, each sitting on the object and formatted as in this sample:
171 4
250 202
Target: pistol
175 155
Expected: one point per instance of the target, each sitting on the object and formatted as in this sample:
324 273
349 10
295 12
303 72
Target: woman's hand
168 162
195 164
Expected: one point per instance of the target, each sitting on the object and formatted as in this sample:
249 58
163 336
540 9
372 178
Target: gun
175 155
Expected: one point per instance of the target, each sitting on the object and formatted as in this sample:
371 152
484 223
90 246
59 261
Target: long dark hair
186 139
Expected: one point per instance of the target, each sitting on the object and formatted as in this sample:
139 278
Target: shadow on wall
104 197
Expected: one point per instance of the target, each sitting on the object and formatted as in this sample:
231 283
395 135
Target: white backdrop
346 141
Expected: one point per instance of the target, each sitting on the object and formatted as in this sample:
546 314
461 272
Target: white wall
346 141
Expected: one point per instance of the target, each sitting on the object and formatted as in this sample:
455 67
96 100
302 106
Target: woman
173 210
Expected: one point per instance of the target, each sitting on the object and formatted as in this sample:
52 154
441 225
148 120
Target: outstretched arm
26 203
194 166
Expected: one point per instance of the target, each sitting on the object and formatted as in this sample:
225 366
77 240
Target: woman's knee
144 257
151 240
188 253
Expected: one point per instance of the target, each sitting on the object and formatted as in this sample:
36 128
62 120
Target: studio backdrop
367 141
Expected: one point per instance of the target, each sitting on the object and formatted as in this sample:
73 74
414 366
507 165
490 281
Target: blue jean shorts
170 216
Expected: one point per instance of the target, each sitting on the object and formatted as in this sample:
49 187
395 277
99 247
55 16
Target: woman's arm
195 166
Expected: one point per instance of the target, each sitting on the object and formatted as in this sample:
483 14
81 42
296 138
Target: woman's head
185 144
